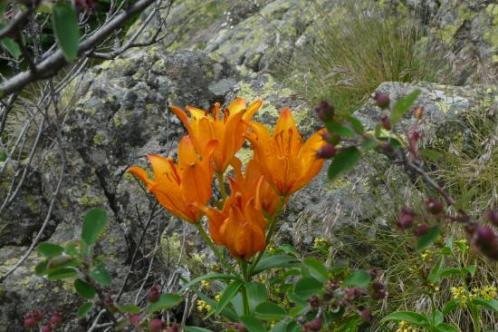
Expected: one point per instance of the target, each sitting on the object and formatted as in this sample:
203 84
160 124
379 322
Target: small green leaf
12 47
428 238
343 161
471 269
62 273
228 294
437 318
93 225
84 309
488 304
336 128
358 279
195 329
49 250
100 274
270 311
3 156
307 287
165 302
436 272
408 316
316 269
65 23
84 289
449 307
402 106
209 276
41 268
274 261
430 154
356 124
257 294
129 308
252 324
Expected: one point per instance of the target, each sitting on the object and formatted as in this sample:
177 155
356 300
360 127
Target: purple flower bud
421 229
314 301
46 328
55 319
154 293
155 325
325 111
365 314
313 325
406 218
386 123
327 151
493 216
381 99
29 322
434 206
378 290
486 241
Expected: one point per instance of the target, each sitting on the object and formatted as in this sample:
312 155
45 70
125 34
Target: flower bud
378 290
381 99
29 322
154 293
350 294
406 218
46 328
434 206
365 314
486 241
325 111
419 112
313 325
172 328
109 304
330 287
493 216
421 229
156 325
386 123
327 151
134 319
55 319
314 302
240 327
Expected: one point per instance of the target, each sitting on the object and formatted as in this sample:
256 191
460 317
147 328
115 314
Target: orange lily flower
241 225
182 187
269 198
285 159
227 128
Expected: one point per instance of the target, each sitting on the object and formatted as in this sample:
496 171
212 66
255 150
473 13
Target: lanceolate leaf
65 22
228 294
165 302
93 225
12 47
402 106
343 162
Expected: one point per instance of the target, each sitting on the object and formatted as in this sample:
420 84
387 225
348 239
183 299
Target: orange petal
141 174
252 109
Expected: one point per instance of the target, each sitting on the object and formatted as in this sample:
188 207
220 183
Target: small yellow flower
460 294
426 255
205 284
403 326
203 306
320 243
488 292
462 245
217 297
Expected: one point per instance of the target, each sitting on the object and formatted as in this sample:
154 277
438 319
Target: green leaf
12 47
195 329
428 238
436 272
430 154
369 144
343 161
209 276
100 274
489 304
257 294
280 327
293 327
408 316
62 273
3 156
84 289
228 294
165 302
252 324
307 287
270 311
49 250
65 23
41 268
443 327
84 309
402 106
336 128
471 269
356 124
316 269
450 306
93 225
437 318
270 262
358 279
129 308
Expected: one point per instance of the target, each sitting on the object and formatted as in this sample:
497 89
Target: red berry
382 99
406 218
313 325
386 123
327 151
325 111
155 325
154 293
434 206
29 322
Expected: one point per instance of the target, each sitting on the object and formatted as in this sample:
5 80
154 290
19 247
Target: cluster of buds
34 317
407 217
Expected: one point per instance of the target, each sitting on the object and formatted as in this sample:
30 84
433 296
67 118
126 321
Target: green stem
245 274
221 184
210 243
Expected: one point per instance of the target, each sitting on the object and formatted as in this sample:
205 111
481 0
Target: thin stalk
221 184
210 243
247 278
